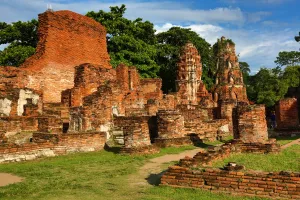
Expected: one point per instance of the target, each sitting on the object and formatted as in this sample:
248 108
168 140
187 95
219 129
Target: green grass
169 193
286 140
287 160
94 175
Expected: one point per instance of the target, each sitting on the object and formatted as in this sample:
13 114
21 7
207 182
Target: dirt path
6 179
290 144
151 172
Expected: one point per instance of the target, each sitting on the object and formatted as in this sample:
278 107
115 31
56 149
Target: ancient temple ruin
68 98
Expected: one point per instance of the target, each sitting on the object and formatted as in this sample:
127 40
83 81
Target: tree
169 47
291 76
130 42
268 87
288 58
245 69
22 39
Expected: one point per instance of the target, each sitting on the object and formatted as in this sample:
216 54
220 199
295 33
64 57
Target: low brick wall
221 152
48 145
264 184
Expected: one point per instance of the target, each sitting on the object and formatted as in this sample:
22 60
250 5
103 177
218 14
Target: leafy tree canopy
270 85
129 42
288 58
22 40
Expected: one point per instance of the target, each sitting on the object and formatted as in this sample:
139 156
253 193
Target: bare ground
6 179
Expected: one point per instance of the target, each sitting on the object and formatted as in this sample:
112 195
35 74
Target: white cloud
257 16
157 11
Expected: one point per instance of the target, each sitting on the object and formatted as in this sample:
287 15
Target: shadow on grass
154 179
114 149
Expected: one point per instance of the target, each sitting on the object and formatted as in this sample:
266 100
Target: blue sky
260 28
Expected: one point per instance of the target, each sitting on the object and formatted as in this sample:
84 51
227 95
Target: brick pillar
287 114
226 111
171 129
251 124
136 132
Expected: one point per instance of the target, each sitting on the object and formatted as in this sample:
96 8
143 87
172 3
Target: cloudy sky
260 28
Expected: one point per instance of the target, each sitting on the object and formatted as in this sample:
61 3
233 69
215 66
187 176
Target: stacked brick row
276 185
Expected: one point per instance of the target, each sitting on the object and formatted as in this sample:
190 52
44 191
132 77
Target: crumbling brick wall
66 39
287 114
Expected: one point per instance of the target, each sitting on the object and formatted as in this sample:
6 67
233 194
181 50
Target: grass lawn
287 160
95 175
285 140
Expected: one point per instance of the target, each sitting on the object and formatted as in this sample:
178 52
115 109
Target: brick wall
264 184
48 145
13 125
287 114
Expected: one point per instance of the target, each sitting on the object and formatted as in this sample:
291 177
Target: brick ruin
68 89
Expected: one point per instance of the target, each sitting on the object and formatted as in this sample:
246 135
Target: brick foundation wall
287 114
48 145
264 184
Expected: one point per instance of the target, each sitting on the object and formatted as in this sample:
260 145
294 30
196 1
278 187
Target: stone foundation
48 145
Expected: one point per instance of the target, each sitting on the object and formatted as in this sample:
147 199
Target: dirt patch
151 172
6 179
290 144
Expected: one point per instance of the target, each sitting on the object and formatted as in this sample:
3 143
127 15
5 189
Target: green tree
288 58
22 39
130 42
291 76
267 86
245 69
169 47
